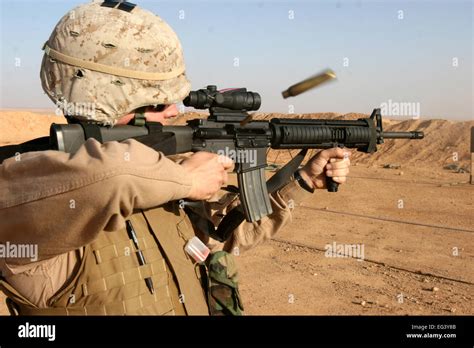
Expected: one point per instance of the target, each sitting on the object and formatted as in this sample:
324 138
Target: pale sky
417 52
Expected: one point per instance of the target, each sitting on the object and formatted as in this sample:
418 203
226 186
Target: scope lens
197 99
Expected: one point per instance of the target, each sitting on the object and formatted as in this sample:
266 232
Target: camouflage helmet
105 59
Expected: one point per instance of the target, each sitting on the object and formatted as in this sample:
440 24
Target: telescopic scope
233 99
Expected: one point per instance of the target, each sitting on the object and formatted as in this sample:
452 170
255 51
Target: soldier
110 234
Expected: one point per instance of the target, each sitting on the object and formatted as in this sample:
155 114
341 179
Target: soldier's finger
339 165
339 179
226 162
335 152
337 172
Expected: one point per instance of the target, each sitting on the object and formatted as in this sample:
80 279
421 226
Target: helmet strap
139 118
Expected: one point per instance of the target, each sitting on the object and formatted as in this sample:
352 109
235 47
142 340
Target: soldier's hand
331 162
208 172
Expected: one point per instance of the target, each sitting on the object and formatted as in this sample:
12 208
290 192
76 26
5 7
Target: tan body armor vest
111 281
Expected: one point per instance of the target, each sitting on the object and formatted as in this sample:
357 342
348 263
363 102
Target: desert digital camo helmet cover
102 62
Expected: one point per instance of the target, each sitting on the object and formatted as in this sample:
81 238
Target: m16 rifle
230 129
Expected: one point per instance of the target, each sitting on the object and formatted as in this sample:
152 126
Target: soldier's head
106 59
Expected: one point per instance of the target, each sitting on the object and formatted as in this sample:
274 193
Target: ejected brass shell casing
307 84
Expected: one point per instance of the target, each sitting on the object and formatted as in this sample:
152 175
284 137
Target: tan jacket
60 202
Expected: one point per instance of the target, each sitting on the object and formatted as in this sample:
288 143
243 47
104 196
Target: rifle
230 129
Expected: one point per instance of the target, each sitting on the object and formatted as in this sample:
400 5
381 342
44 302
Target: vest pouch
222 288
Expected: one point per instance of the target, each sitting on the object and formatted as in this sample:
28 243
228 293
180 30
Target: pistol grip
254 194
331 185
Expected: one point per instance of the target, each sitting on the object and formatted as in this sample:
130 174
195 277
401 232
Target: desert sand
414 218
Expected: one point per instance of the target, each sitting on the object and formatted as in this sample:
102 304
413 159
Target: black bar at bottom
314 330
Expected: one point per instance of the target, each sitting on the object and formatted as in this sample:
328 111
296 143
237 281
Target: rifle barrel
403 135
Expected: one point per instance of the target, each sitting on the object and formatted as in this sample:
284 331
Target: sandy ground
407 268
415 224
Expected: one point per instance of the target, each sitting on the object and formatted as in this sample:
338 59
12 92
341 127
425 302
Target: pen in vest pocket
141 257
